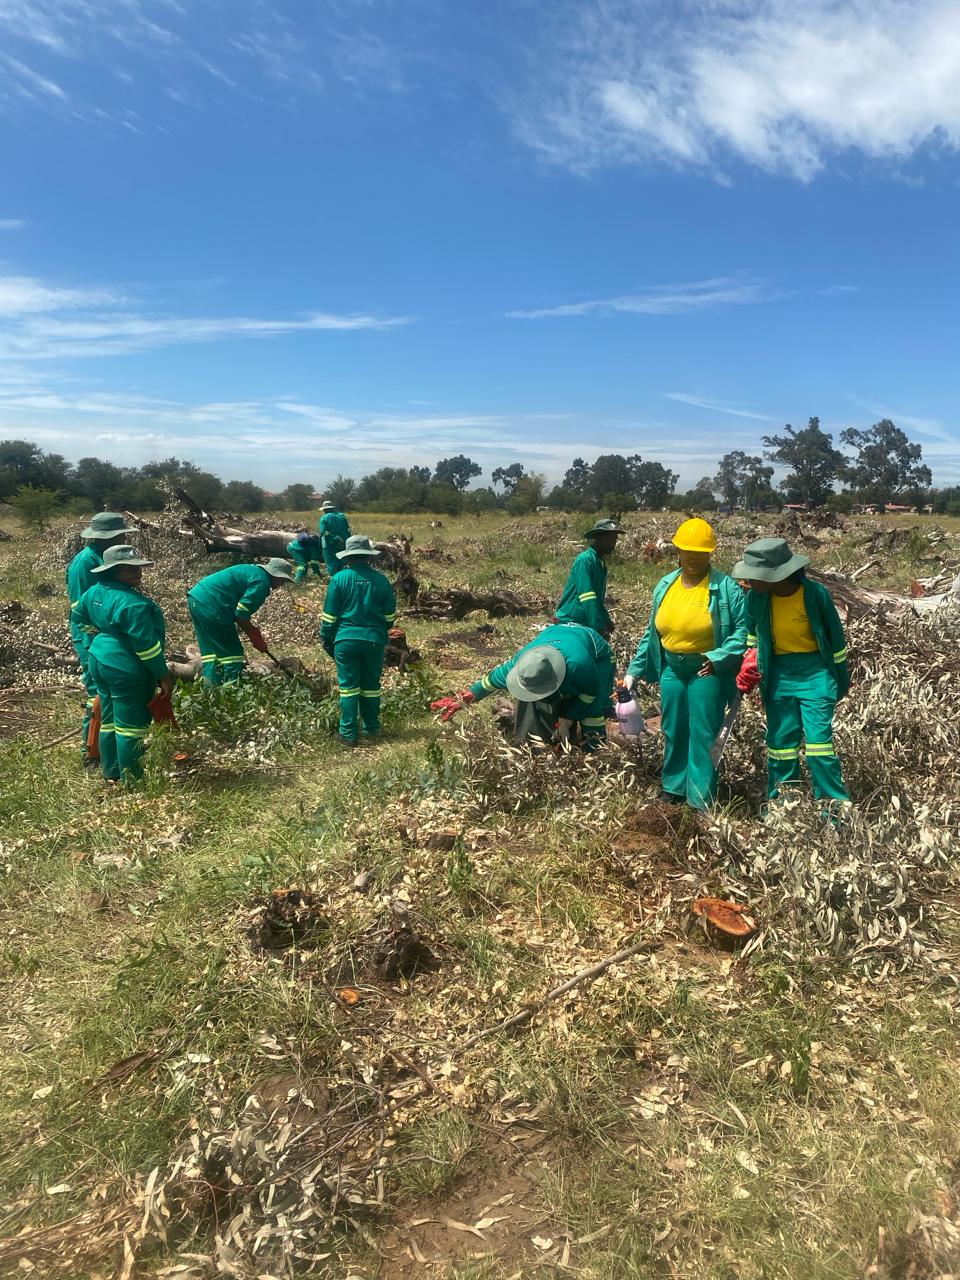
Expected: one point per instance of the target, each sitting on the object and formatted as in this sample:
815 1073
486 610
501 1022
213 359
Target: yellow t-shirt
683 620
791 626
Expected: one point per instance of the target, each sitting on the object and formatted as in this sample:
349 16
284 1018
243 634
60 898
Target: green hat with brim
537 673
106 524
278 568
357 545
122 553
604 526
768 560
328 506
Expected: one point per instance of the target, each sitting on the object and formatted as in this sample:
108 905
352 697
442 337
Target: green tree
244 495
813 461
477 501
946 502
612 473
509 477
888 465
743 480
458 471
106 485
297 497
576 479
443 497
35 506
654 485
342 492
562 498
527 494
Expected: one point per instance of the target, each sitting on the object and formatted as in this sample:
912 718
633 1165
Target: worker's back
361 599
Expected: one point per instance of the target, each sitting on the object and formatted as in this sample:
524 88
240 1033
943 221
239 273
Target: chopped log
454 605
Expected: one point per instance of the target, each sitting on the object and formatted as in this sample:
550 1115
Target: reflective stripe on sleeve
146 654
840 655
486 684
751 641
594 722
328 617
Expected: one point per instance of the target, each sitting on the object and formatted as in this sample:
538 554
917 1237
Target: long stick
585 975
62 738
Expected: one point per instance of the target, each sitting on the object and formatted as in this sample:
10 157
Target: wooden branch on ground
585 975
455 604
44 746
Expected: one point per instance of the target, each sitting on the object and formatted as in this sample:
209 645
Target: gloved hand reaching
448 707
255 636
748 676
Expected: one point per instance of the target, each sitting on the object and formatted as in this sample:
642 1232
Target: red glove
748 676
255 636
448 707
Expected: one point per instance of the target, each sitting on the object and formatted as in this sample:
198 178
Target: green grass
692 1115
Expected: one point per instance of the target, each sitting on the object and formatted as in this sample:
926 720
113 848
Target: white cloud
683 398
662 300
12 224
39 321
778 85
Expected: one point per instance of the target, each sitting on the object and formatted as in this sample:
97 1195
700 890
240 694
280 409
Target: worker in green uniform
692 648
799 659
583 596
125 656
222 605
334 532
304 551
565 673
358 612
106 529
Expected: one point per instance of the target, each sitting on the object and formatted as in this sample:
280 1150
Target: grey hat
106 524
358 545
328 506
537 673
122 553
278 568
768 560
604 526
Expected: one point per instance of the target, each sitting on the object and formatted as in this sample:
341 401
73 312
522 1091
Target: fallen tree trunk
454 605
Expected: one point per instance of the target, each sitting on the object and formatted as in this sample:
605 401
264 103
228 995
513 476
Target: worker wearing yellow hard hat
692 648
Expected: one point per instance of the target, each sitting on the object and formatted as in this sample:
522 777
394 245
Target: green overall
334 532
306 556
584 695
800 692
215 604
358 611
79 579
126 661
583 596
692 707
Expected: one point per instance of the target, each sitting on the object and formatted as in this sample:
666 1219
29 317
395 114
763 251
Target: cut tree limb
454 605
585 975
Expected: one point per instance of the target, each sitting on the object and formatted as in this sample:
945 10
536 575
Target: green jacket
359 605
728 611
304 554
824 623
334 530
130 632
583 595
234 592
587 683
79 580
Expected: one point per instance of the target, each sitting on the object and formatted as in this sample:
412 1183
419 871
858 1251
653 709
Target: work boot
670 797
346 744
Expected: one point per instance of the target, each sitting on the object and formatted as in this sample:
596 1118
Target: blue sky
290 238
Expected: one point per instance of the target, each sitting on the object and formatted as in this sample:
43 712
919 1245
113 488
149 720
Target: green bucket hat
768 560
122 553
358 545
106 524
604 526
278 568
537 673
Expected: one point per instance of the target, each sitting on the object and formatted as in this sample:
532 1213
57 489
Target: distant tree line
880 465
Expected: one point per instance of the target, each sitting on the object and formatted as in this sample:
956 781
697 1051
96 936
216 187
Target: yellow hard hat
695 535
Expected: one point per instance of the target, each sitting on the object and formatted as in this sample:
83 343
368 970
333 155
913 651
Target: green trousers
359 669
305 565
330 548
221 649
799 700
692 709
125 718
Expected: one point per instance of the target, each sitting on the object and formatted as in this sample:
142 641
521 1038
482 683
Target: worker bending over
566 673
222 605
125 656
799 660
692 648
304 551
334 531
586 588
106 529
358 612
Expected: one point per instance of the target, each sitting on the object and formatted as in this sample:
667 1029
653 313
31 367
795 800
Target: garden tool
716 751
161 708
93 731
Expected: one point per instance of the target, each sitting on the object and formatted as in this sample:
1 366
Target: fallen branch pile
454 604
